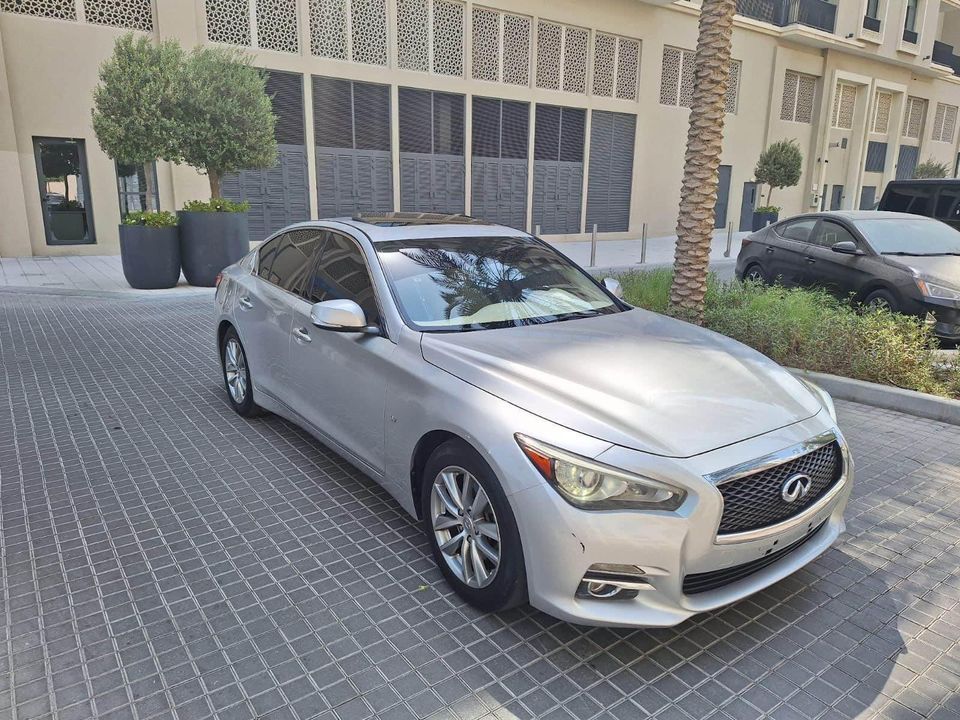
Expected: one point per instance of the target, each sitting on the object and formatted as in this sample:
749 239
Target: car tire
881 299
236 376
755 273
505 584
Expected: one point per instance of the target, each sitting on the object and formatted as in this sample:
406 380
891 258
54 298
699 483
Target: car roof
926 181
416 226
854 215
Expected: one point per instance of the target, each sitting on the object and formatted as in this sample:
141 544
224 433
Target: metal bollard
536 231
726 253
593 247
643 244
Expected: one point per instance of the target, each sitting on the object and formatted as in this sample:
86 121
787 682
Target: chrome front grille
752 501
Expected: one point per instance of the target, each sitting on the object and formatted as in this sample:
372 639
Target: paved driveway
163 558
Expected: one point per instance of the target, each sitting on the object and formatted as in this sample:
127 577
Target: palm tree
698 194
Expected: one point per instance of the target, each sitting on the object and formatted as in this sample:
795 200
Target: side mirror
846 247
613 287
341 316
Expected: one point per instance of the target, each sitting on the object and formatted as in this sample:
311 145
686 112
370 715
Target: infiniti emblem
795 487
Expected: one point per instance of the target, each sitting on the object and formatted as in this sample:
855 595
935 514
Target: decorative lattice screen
549 49
913 117
881 112
844 102
604 64
575 43
486 44
328 28
944 123
368 31
447 37
628 68
562 57
516 49
277 25
733 87
806 95
413 35
58 9
133 14
228 21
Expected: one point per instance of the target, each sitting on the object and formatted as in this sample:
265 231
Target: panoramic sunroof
403 219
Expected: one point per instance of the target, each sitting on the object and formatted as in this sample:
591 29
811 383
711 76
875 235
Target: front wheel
755 274
881 300
236 376
471 528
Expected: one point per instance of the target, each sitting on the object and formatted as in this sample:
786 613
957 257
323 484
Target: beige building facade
560 115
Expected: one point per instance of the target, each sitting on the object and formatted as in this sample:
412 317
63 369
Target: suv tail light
216 283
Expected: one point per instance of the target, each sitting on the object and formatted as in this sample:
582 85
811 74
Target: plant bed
150 250
213 235
811 330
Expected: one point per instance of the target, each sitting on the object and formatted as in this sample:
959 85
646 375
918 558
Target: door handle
769 250
810 260
245 303
301 335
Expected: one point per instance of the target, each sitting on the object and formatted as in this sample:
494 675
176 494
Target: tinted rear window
914 199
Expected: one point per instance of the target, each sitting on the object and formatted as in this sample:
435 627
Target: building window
366 41
944 123
616 65
132 188
881 112
844 102
799 91
677 77
64 196
562 57
910 21
501 46
913 117
876 157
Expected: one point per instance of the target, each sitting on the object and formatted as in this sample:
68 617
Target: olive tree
779 166
133 104
225 117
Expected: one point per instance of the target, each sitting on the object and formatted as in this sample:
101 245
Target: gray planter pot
209 241
150 256
761 220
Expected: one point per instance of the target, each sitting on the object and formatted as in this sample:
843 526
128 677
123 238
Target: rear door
837 273
785 257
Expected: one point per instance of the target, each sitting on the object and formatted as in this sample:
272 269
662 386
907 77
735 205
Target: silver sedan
609 465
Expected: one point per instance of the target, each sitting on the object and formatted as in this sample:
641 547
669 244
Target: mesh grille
755 501
706 581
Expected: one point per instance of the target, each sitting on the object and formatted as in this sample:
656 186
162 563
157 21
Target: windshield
910 236
456 284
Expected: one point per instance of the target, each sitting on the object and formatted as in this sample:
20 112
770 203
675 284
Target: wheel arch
422 451
222 332
875 284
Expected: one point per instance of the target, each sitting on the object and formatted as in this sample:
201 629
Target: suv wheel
236 375
471 528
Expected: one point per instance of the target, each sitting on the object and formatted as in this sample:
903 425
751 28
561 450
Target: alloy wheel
465 527
235 368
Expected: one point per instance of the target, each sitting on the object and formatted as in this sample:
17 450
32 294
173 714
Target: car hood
939 267
635 379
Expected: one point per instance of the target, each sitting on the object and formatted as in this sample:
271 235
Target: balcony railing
910 36
943 55
813 13
871 23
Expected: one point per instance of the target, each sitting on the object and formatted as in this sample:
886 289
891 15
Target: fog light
605 581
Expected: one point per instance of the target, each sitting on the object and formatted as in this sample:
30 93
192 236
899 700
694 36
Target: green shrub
216 205
775 209
151 219
812 330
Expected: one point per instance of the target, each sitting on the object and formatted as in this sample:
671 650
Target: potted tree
779 166
134 122
226 124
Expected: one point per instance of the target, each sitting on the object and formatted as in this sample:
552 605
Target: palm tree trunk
698 193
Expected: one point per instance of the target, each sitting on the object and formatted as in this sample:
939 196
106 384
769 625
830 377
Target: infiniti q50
609 465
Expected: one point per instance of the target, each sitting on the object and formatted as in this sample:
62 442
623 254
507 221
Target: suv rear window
915 199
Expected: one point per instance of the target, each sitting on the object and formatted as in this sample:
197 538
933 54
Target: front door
723 197
836 273
339 378
748 204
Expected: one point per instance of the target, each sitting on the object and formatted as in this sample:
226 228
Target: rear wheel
236 375
881 300
755 273
471 528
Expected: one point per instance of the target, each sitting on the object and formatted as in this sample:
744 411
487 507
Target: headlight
593 486
823 396
940 292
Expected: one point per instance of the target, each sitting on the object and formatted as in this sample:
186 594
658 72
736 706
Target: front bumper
945 315
561 542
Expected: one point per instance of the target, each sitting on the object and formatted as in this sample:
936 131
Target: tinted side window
265 255
830 233
341 274
797 229
916 199
292 258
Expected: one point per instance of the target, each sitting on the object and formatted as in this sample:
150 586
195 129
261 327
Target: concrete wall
48 69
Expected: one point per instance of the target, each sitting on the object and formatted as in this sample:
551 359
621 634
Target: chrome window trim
772 460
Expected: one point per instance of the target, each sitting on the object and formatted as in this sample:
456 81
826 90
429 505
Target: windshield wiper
914 254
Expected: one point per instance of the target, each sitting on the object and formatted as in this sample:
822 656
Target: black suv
907 263
939 199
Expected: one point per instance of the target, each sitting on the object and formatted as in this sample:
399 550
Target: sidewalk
103 274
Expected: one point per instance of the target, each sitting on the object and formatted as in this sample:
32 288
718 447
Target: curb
172 294
910 402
